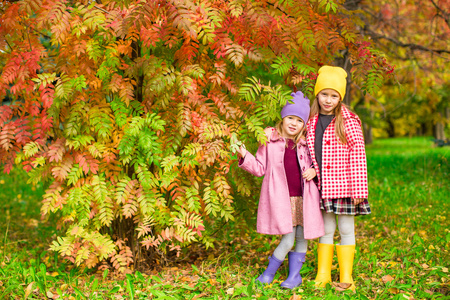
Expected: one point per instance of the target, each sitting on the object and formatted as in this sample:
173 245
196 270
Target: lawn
402 247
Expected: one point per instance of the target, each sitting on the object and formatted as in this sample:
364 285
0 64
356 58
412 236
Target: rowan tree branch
441 13
411 46
9 44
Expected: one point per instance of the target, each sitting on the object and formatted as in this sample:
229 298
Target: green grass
402 247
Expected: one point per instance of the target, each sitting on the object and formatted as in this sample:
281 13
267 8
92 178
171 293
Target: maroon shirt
292 169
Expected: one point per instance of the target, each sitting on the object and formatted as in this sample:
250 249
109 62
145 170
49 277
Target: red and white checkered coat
344 165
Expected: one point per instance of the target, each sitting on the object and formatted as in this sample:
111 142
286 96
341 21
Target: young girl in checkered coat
289 200
336 143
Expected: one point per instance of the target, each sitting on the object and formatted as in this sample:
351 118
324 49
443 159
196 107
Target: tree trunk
391 127
344 61
439 129
367 128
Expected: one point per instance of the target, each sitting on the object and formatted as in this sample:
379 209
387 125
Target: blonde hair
300 135
339 129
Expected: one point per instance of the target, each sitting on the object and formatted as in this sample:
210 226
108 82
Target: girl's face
328 100
292 125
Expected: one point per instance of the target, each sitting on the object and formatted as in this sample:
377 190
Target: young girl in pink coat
336 143
289 199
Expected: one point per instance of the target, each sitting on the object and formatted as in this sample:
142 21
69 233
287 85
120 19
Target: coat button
327 142
301 156
328 167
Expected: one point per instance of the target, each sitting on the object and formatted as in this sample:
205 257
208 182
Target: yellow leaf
33 222
393 290
28 290
392 264
445 270
431 247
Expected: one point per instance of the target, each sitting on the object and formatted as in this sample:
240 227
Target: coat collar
346 113
276 137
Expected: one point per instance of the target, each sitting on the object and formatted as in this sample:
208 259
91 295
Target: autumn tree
126 109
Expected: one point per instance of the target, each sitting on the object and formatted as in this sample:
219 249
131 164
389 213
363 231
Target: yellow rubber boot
345 255
324 260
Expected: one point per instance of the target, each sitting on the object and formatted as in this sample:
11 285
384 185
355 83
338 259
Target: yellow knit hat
331 78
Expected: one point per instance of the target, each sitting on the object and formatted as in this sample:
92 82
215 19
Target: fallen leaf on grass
445 270
230 291
28 290
364 276
341 286
295 297
199 296
393 290
425 266
429 292
387 278
392 264
33 222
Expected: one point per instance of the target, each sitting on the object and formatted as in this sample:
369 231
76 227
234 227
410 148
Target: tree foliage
415 35
126 109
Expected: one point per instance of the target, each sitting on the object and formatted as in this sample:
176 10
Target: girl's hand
358 201
269 131
242 151
309 174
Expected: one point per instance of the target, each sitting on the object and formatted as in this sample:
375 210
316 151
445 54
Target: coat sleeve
255 165
357 159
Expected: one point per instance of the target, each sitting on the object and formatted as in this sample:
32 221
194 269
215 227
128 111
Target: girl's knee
346 225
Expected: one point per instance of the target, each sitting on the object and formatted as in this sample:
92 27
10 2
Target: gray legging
287 242
346 225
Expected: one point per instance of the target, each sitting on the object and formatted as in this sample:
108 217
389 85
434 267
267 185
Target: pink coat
344 166
274 209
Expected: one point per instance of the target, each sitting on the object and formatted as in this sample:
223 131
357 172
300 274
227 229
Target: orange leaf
387 278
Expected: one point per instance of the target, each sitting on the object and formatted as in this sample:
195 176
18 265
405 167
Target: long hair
339 129
300 135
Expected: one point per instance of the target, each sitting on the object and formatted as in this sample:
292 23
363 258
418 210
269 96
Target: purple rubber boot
268 275
296 260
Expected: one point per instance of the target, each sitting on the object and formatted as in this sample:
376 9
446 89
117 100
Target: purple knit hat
299 108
